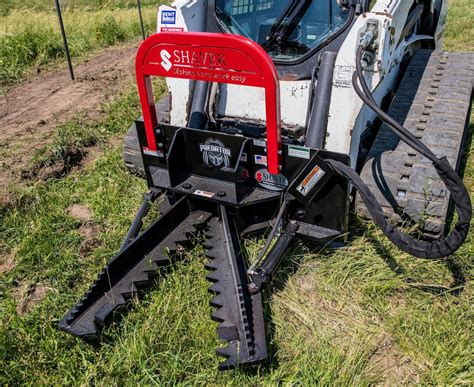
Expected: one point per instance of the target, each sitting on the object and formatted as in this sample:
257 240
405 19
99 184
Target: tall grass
32 40
6 6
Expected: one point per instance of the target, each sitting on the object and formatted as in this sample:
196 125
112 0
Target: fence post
139 3
63 33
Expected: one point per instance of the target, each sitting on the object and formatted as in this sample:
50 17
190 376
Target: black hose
404 134
273 231
423 249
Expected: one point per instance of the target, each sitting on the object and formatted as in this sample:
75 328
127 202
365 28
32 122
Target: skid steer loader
276 112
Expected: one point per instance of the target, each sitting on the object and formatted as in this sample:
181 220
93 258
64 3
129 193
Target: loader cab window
266 23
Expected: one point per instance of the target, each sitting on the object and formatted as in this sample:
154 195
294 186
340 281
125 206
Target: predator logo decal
214 153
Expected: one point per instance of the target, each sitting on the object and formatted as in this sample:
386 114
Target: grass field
30 38
362 314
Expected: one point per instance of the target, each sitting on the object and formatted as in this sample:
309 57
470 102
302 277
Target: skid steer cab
226 186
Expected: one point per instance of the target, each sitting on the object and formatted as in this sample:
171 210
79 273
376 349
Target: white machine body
348 117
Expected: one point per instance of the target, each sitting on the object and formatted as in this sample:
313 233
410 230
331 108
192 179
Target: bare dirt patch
89 232
7 263
88 229
29 296
80 213
393 367
30 111
71 158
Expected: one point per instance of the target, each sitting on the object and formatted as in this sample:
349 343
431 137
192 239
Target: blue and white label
260 159
168 17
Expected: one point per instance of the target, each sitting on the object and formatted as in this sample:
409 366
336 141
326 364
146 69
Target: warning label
310 180
204 193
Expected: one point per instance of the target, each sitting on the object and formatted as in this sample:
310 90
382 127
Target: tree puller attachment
229 184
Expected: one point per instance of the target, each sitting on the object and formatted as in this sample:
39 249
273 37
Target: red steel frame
211 57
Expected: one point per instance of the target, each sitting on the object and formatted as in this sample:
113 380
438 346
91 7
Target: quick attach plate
310 180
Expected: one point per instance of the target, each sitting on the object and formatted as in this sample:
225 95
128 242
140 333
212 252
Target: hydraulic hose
436 249
281 212
404 134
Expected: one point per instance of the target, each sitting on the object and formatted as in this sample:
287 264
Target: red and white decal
204 194
270 181
171 29
210 57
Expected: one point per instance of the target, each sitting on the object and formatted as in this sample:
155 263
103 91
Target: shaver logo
271 182
165 60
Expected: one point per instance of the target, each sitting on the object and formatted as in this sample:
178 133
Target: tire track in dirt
30 111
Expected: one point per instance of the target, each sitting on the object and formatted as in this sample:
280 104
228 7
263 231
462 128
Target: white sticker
243 157
299 151
260 159
150 152
310 181
204 193
261 143
168 16
343 76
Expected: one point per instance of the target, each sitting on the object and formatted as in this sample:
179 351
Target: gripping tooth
215 288
128 289
228 351
219 315
104 313
228 333
151 267
214 276
217 301
240 316
131 269
141 280
213 252
211 265
230 354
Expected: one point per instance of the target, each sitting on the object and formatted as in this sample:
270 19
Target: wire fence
64 35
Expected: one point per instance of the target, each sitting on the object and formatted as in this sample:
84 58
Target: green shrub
109 32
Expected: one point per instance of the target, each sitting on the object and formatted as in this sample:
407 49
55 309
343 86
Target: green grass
8 6
459 30
362 314
338 313
30 38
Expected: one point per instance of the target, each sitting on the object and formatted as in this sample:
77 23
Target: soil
89 232
28 297
394 368
30 111
7 263
80 212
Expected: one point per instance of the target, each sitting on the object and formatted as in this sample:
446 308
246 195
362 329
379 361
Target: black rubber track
433 102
